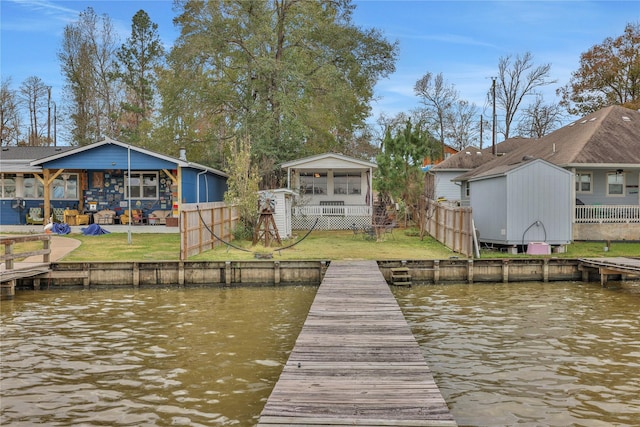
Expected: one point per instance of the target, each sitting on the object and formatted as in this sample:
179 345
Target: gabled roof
472 157
109 141
18 159
610 137
299 163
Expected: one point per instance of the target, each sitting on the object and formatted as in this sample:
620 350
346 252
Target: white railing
601 214
331 211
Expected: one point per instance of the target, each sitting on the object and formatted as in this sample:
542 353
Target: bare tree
87 60
539 119
518 78
461 125
439 97
9 115
33 94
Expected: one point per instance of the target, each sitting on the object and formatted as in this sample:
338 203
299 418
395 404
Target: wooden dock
356 361
627 267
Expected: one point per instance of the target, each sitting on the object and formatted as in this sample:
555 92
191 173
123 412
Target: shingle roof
610 136
472 157
30 153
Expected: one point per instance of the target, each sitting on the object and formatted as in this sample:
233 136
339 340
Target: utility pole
481 131
493 136
48 116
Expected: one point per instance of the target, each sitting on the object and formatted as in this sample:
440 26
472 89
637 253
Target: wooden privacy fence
450 225
197 235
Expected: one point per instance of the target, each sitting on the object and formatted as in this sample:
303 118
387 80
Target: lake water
526 354
531 354
166 357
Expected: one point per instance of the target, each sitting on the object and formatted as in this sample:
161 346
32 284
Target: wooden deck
356 361
614 265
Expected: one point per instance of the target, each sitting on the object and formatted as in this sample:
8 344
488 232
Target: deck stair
400 276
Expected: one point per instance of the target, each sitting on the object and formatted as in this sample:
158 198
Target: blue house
106 175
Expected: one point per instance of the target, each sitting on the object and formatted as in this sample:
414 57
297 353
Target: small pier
356 361
10 270
626 267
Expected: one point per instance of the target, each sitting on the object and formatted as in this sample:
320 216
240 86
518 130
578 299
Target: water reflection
531 354
146 357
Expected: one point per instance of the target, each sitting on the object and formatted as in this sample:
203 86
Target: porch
331 217
607 222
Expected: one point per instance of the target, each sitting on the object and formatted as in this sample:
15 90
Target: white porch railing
602 214
319 211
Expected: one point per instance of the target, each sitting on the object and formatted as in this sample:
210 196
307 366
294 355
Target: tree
33 93
87 61
242 185
399 173
9 115
518 78
138 59
539 119
438 97
609 74
297 76
461 126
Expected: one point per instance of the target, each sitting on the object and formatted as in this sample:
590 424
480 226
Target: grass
318 245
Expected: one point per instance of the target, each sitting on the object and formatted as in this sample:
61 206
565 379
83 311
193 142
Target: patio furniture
135 216
104 217
159 217
58 215
73 217
34 216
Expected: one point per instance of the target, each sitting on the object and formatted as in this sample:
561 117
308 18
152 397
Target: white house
334 189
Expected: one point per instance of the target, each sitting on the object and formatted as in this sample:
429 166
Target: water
123 357
526 354
531 354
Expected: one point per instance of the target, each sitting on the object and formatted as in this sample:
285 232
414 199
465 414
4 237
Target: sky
463 40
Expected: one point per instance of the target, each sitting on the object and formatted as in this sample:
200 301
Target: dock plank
356 361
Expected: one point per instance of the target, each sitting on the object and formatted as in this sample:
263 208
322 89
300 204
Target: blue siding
109 156
212 187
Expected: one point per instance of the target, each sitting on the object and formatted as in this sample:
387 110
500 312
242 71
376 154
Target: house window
583 182
8 185
33 188
144 185
313 183
347 183
615 184
65 186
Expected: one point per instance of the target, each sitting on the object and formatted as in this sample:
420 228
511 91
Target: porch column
47 193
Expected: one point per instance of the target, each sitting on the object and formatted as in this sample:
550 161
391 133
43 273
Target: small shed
530 201
282 213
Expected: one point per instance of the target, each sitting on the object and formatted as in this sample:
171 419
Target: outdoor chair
388 229
34 216
104 217
58 214
73 217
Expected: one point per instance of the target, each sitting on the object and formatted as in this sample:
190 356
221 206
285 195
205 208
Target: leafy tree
539 119
295 75
9 115
609 73
87 61
137 62
399 173
518 78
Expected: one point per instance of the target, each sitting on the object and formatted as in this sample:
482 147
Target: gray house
601 151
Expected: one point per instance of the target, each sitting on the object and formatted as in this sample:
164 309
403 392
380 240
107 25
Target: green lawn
318 245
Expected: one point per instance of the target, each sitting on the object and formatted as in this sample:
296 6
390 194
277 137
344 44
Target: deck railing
602 214
319 211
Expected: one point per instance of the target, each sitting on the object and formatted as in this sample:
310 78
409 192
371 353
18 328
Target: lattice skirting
329 222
